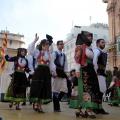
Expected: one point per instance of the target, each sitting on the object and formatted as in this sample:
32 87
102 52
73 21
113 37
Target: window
70 36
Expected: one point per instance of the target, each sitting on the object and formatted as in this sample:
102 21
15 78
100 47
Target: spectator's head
70 73
73 72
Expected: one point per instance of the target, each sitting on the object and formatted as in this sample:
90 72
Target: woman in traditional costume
16 91
114 88
40 91
88 87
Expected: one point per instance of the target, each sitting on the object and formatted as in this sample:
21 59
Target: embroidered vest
41 61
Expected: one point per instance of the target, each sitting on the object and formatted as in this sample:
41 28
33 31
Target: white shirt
30 63
52 64
95 58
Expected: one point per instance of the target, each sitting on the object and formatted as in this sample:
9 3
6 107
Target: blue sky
52 17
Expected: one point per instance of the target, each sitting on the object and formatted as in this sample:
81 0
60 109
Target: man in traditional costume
100 61
58 68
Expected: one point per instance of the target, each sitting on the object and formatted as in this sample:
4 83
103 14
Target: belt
43 64
20 71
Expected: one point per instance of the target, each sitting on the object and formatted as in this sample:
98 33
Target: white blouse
22 62
35 52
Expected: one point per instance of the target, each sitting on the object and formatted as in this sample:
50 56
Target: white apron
102 83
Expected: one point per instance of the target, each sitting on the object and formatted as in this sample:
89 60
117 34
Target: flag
4 45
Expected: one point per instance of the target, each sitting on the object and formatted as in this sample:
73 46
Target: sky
53 17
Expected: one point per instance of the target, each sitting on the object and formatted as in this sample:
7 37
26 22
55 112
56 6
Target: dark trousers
56 98
101 96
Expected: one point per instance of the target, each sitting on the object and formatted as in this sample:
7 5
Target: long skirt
115 95
16 91
41 85
88 88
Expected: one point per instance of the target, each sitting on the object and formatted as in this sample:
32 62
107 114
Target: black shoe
96 111
17 108
23 104
57 111
80 114
110 104
90 116
102 111
115 104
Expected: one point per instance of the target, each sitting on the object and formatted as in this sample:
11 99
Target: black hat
82 38
49 38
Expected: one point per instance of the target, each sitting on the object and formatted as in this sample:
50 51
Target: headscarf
82 38
19 52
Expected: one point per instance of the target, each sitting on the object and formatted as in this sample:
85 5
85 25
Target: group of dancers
48 70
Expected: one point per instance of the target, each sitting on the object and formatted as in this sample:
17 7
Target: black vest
60 68
102 61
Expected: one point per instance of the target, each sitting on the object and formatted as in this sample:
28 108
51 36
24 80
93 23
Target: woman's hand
36 38
77 74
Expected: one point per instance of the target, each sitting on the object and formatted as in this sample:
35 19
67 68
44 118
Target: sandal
80 113
90 115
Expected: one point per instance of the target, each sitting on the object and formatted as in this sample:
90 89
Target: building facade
99 30
113 10
14 41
